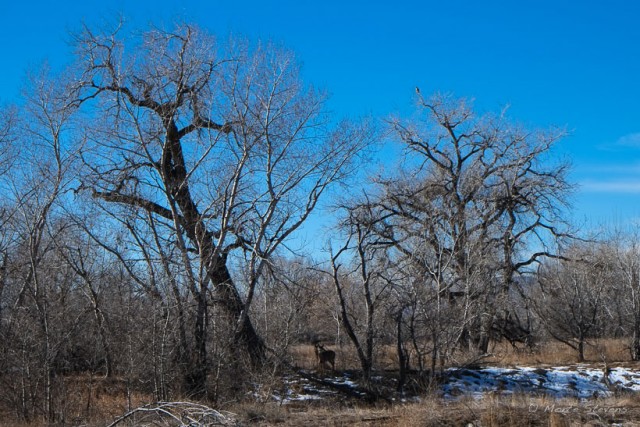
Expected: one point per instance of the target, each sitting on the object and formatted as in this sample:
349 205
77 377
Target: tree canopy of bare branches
222 144
479 201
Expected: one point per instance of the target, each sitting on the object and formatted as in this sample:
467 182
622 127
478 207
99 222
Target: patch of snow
558 382
580 381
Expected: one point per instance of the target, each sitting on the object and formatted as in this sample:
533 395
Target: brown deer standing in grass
325 357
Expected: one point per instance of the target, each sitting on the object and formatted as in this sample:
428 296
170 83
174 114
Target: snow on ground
299 389
581 381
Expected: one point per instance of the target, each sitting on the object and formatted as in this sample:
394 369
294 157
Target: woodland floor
509 388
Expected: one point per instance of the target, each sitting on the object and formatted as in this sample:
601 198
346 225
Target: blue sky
564 63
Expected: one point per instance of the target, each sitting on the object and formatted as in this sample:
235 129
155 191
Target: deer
325 357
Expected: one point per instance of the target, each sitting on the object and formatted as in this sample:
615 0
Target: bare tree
365 275
291 288
572 300
7 139
227 147
624 255
478 205
8 123
44 155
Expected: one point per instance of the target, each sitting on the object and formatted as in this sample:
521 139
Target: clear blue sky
566 63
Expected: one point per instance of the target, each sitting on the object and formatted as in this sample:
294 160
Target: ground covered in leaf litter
578 381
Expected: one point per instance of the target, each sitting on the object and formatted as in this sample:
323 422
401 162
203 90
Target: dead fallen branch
171 414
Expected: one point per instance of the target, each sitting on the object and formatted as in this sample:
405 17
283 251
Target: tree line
152 189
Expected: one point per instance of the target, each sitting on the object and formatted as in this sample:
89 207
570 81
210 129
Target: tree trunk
403 355
581 350
3 275
247 339
197 372
635 345
484 335
365 363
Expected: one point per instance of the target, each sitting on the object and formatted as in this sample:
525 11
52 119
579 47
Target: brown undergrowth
95 401
85 401
610 350
494 411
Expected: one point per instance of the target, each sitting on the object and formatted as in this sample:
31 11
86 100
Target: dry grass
304 356
88 401
552 352
97 401
494 411
503 354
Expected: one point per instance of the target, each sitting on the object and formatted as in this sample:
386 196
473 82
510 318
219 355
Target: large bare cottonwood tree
222 143
480 202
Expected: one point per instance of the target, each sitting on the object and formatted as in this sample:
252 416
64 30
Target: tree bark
403 354
635 345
